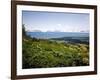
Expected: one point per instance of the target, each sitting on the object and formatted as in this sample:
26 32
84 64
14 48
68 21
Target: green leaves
38 53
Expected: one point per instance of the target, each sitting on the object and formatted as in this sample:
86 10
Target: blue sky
55 21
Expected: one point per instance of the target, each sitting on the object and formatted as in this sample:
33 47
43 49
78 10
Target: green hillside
39 53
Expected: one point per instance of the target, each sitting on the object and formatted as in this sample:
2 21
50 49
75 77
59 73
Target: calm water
47 35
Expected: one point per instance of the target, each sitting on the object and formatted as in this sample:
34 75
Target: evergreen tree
23 30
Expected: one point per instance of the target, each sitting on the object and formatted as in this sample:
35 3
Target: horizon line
59 31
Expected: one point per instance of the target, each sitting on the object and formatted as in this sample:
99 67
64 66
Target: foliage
23 30
39 53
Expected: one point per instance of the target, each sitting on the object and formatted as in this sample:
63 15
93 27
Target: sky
55 21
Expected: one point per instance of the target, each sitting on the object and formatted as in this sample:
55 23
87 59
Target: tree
23 30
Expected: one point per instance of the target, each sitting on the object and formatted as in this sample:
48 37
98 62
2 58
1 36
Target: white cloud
59 24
